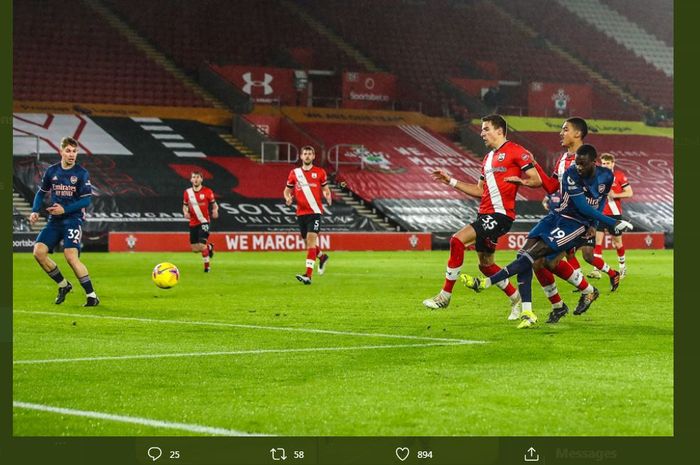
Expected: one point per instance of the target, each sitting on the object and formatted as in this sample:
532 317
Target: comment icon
154 453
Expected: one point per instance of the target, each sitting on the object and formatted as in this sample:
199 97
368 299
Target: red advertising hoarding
632 240
265 241
368 90
264 85
553 99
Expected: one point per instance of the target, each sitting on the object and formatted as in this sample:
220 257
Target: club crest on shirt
201 196
73 179
601 188
501 156
314 175
55 178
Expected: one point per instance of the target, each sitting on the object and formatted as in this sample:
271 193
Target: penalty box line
192 428
268 328
234 352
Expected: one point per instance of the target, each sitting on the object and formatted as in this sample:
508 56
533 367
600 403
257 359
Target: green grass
608 372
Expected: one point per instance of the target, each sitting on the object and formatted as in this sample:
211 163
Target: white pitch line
135 420
270 328
233 352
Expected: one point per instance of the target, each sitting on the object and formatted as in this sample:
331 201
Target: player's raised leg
488 268
599 263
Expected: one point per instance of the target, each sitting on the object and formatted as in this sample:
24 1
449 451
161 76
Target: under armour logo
250 83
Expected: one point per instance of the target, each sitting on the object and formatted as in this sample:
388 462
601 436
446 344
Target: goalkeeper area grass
248 350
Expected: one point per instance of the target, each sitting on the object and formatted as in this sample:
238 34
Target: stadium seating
599 51
65 51
656 16
394 34
247 32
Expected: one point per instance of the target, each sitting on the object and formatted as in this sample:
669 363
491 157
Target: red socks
454 264
310 260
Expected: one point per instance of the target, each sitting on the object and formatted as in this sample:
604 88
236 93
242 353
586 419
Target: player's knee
39 252
588 255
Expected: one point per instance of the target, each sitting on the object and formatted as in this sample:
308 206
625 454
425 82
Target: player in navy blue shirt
69 185
584 190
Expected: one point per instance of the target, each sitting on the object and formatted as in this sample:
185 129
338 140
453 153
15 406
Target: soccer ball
165 275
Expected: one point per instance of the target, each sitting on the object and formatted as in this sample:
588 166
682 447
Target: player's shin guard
549 285
575 277
599 263
310 260
87 284
505 285
57 276
454 264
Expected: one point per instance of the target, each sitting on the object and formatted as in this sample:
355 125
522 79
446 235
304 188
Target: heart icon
402 453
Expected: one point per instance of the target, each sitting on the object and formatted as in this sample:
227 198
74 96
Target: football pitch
246 349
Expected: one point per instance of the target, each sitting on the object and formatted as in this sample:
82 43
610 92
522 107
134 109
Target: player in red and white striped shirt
621 189
308 183
497 190
196 202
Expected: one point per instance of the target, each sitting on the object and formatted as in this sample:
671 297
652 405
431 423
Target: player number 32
74 234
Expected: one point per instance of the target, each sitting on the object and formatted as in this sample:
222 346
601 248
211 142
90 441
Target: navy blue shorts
559 233
69 231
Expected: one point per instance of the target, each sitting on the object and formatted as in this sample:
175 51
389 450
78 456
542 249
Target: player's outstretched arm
586 210
474 190
215 210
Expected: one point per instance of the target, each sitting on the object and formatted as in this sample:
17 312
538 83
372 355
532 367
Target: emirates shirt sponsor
198 204
510 159
307 185
614 207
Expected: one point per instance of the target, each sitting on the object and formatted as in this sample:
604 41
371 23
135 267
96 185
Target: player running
71 193
308 183
505 161
621 189
196 202
572 133
585 188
